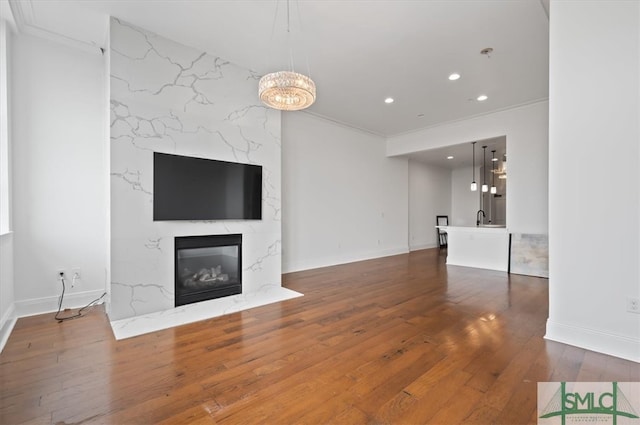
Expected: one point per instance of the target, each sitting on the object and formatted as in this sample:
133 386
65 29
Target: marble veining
132 178
138 293
131 128
154 244
185 75
170 98
272 251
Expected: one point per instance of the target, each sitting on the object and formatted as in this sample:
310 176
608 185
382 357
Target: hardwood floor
399 340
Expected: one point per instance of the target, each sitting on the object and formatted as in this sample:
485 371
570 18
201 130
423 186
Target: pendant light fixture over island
485 186
474 185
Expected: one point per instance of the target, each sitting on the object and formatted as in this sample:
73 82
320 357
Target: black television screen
188 188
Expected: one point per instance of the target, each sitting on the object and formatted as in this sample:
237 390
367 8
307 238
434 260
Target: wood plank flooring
396 340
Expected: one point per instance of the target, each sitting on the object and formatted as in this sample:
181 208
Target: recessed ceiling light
482 98
449 157
388 100
487 51
454 76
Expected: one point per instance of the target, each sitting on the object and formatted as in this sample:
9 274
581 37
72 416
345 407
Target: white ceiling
358 51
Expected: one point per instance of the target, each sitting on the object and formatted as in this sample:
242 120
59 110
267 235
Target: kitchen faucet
478 217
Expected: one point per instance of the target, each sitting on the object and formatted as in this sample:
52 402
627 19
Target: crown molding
6 15
546 6
25 20
472 117
343 124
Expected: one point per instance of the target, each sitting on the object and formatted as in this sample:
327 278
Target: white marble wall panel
530 254
167 97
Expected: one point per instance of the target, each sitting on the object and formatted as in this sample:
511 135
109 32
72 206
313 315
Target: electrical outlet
75 276
75 273
633 305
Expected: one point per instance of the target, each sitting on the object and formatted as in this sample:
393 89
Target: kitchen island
483 247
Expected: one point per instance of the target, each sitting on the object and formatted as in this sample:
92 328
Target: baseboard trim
7 323
334 261
43 305
420 246
594 340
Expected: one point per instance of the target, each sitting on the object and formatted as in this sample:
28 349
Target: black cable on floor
79 313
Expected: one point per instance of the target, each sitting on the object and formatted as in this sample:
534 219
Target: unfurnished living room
319 212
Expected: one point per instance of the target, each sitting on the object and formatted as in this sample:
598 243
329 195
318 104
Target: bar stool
442 220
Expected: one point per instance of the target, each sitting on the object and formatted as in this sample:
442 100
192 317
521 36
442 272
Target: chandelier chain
287 90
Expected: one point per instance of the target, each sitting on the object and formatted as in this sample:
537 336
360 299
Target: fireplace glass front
207 267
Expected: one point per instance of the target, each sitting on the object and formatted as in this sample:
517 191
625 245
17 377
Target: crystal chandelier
287 90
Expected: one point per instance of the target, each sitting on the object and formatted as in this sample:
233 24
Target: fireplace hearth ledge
152 322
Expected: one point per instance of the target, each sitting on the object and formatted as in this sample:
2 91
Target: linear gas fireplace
207 267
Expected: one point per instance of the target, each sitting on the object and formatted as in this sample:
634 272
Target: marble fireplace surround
170 98
152 322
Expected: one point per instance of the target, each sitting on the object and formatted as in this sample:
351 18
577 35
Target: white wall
6 237
343 199
429 196
526 129
7 309
594 222
464 203
58 172
5 169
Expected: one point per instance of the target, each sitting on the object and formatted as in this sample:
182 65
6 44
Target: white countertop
475 229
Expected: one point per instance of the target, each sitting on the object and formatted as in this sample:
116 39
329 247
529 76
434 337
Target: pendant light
474 185
287 90
485 186
494 189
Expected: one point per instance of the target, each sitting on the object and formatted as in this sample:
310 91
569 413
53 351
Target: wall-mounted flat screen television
188 188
